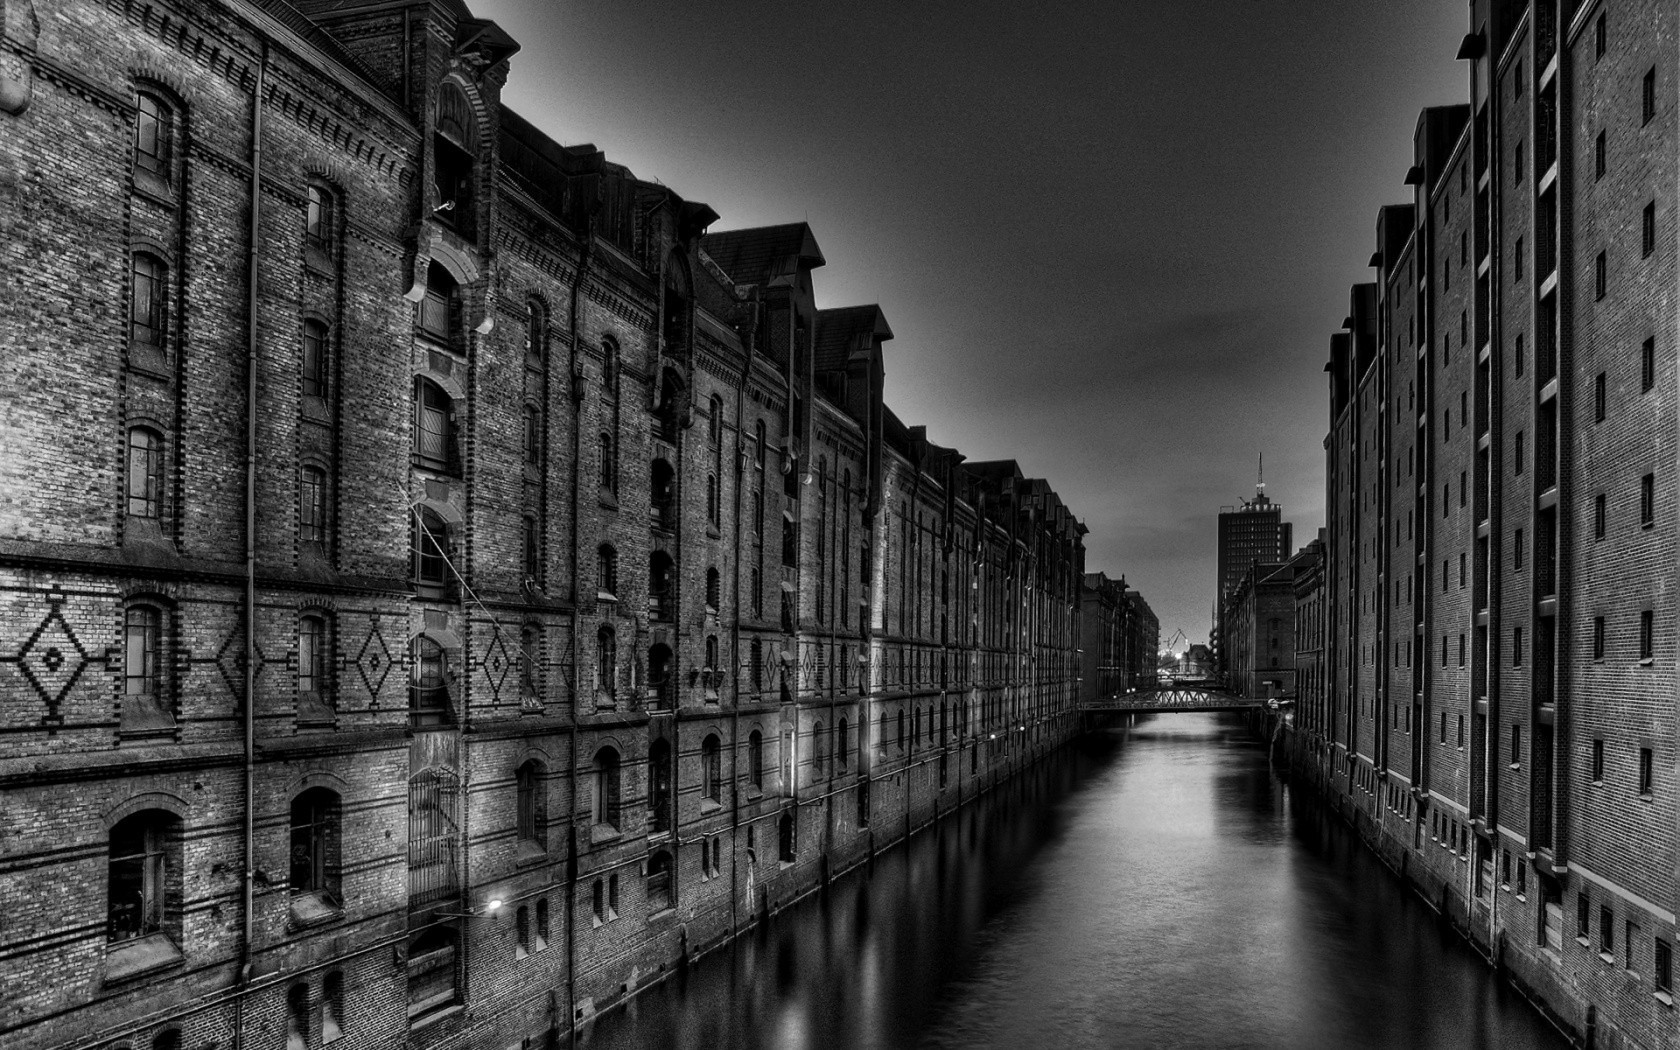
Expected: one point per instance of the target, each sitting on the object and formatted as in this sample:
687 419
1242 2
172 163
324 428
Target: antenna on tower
1260 481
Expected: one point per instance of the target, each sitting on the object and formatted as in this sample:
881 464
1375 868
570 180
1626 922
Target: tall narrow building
1251 533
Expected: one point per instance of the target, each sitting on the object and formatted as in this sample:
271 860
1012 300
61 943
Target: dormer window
453 164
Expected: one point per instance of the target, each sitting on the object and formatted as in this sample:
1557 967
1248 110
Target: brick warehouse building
1500 712
584 568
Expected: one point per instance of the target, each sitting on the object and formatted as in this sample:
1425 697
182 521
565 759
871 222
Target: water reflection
1159 890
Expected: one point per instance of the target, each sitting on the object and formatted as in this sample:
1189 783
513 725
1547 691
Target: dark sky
1112 238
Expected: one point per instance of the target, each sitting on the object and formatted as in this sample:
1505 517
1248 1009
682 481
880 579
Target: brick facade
431 621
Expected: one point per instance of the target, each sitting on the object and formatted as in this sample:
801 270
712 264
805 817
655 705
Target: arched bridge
1173 696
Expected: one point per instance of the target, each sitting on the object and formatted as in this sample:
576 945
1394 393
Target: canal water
1159 888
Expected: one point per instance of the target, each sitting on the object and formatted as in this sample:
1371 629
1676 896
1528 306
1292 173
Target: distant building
1142 642
1119 634
1198 661
1260 629
1311 694
1249 534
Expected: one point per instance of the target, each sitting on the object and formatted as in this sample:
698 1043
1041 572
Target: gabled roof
843 331
754 256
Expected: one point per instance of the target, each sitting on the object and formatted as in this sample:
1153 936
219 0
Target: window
755 759
1648 229
145 473
434 426
1598 38
531 803
533 435
606 664
1519 353
530 541
1600 275
608 475
536 334
598 901
1598 638
149 302
1606 930
428 694
1663 966
522 932
606 571
154 125
1648 364
789 846
1600 514
659 881
1598 156
714 503
1648 96
297 1016
1583 915
1648 500
711 765
714 589
143 669
1516 745
1517 549
1517 254
1516 178
609 367
314 871
313 650
1598 761
318 216
1516 647
314 359
454 160
312 505
332 1007
1645 771
662 598
714 422
1645 634
431 969
842 747
530 667
430 563
759 443
662 683
144 892
604 800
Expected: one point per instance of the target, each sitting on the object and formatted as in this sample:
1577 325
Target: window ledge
140 957
607 499
528 851
710 805
313 909
1647 662
667 912
1645 796
1607 957
1665 998
149 361
427 1013
1583 942
600 833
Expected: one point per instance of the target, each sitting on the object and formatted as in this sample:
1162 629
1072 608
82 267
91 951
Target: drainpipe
253 273
577 672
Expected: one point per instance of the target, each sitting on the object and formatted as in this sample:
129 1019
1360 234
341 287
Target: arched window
789 847
609 367
712 656
430 565
531 804
755 759
314 649
297 1016
144 684
711 768
428 692
434 426
606 664
715 422
314 871
318 216
536 334
842 748
659 785
714 507
455 149
530 667
314 359
312 505
145 473
144 876
533 435
608 475
659 881
714 589
154 133
606 572
662 682
663 505
819 751
604 801
438 311
149 303
661 587
531 541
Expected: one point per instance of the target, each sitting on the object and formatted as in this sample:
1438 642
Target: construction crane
1177 642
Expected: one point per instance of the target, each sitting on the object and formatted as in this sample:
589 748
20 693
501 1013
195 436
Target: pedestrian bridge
1173 696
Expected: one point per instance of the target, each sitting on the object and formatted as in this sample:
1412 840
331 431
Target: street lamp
491 907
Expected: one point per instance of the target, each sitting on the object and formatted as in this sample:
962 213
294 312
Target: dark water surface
1163 891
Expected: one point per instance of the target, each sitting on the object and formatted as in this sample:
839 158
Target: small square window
1517 163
